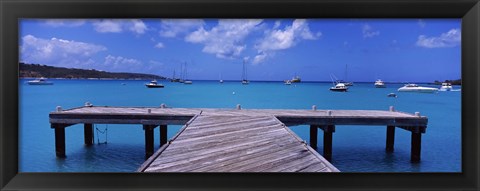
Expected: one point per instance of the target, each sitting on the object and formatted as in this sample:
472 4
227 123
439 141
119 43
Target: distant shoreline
268 81
31 78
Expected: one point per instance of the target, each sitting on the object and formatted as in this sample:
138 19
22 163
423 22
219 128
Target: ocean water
355 148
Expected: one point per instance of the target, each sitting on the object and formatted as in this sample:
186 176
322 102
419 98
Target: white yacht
40 81
339 87
416 88
153 84
446 87
379 84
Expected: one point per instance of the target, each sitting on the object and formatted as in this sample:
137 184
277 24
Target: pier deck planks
245 144
179 116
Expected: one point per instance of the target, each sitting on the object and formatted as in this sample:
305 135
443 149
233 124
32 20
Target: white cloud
108 26
172 27
259 58
119 25
159 45
58 52
137 26
368 31
225 40
64 22
278 39
451 38
121 64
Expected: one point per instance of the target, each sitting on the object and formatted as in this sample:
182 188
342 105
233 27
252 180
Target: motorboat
40 81
154 84
379 84
416 88
187 82
288 82
339 87
446 87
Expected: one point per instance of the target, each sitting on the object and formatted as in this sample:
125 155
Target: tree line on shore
37 71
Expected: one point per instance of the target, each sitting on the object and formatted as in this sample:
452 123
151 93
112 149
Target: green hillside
37 70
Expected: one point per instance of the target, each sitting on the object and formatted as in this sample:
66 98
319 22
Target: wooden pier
236 140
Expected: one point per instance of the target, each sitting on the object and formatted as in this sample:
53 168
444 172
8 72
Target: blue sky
394 50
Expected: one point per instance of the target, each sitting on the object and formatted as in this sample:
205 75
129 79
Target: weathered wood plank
248 161
222 162
211 144
198 161
176 155
252 163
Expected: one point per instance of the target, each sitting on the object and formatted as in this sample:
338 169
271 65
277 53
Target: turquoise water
355 148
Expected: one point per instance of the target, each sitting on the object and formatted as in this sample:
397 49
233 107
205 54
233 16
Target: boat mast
185 71
181 72
244 71
346 74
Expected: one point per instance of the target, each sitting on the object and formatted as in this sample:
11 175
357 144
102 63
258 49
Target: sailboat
345 82
337 86
244 74
221 81
182 74
173 77
185 80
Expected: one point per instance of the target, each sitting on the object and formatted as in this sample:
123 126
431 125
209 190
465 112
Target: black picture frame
11 11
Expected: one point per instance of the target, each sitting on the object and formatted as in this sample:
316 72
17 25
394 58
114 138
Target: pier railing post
390 138
313 136
148 140
88 133
163 134
59 140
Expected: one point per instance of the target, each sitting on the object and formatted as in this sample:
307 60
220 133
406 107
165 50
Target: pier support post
390 138
327 141
313 136
148 140
163 134
88 133
60 141
416 146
